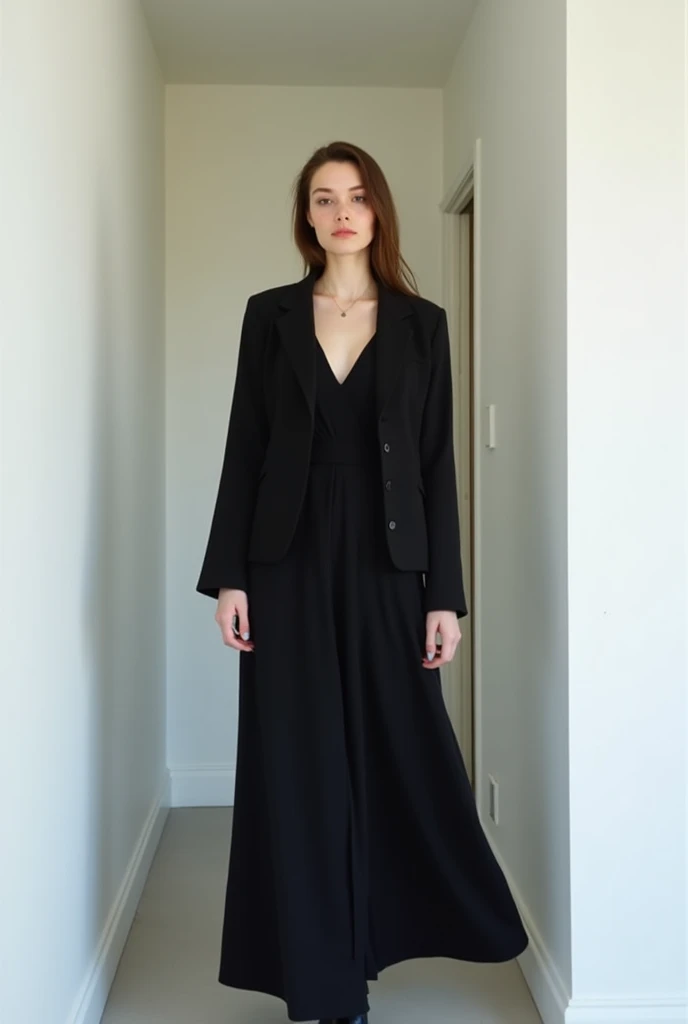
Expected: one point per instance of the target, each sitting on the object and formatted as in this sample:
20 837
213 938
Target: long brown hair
386 262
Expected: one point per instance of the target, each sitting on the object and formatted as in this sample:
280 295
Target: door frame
462 682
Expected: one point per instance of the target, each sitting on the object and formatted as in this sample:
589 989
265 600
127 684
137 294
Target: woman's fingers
240 636
238 645
432 625
232 618
233 639
444 654
243 629
440 653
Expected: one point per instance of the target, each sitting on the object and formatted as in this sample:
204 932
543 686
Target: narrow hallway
167 974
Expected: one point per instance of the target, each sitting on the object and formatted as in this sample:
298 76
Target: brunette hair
386 262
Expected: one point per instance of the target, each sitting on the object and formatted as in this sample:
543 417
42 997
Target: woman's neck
347 280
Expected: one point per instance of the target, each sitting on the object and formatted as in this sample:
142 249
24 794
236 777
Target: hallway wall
627 258
232 155
581 112
508 88
82 651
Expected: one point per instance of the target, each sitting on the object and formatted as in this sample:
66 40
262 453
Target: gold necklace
342 311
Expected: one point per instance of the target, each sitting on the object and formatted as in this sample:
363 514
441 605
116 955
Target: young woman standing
334 557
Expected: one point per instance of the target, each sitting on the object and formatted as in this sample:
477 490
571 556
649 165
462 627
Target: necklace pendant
343 314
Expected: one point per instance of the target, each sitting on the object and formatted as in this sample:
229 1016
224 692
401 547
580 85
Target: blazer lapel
296 329
393 341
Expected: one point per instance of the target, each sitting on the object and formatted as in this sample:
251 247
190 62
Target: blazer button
386 446
392 525
388 485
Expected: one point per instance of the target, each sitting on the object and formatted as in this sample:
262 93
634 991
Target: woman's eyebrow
352 189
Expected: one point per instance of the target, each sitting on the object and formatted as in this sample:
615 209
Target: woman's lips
343 234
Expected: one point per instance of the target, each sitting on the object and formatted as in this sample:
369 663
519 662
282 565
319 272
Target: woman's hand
447 625
229 604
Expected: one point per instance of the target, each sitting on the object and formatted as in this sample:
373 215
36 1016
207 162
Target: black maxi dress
355 842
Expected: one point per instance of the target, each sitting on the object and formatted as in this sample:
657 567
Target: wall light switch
490 428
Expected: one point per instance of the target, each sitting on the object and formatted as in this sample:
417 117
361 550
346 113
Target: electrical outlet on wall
493 798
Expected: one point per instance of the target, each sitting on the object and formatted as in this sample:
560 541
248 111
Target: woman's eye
325 200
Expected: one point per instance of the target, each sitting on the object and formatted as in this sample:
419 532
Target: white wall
581 110
626 170
81 475
508 88
232 155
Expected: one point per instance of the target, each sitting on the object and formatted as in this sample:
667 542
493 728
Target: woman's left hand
447 625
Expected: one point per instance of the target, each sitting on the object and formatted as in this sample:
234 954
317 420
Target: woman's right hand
229 604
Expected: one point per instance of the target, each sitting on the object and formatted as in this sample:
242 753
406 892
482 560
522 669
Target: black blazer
267 453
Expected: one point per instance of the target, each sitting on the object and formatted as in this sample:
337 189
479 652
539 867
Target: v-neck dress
356 842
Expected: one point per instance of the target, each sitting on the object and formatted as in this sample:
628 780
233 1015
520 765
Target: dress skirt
355 841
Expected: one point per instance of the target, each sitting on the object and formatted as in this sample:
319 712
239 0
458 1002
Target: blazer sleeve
444 589
225 561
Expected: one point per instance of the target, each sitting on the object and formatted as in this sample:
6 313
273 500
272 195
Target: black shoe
360 1019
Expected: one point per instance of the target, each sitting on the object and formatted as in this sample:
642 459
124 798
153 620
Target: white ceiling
308 42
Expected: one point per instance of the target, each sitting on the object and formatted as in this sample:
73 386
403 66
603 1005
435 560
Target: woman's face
339 209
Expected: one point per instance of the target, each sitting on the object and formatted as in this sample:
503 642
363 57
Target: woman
334 557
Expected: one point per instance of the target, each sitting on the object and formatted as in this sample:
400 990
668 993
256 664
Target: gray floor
168 971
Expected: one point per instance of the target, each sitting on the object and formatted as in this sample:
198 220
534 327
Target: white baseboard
212 785
550 993
625 1010
202 785
91 999
547 987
